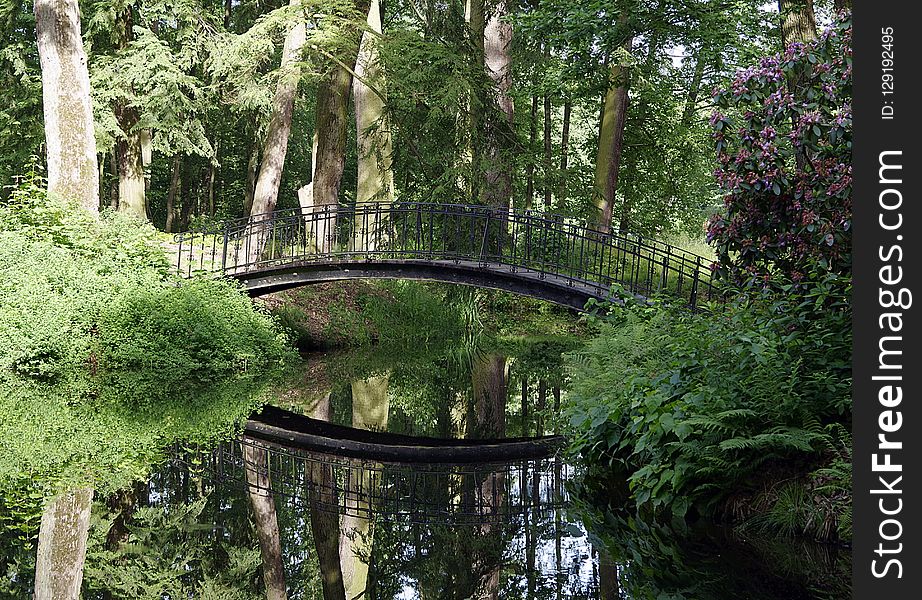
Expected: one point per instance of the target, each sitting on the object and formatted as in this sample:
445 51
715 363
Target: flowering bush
783 133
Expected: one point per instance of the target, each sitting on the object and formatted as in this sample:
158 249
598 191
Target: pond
455 487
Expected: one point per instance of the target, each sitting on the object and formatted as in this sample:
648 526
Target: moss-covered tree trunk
497 54
331 128
798 21
132 188
132 197
70 141
374 140
265 518
62 541
275 145
370 408
611 138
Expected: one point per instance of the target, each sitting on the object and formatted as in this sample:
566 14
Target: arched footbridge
549 257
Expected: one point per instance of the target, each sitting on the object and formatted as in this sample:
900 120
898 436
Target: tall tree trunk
472 151
565 136
497 53
252 172
611 136
262 503
227 14
530 167
70 140
331 129
691 101
798 22
325 522
175 183
113 180
186 195
132 196
62 541
374 143
369 411
275 146
212 172
548 156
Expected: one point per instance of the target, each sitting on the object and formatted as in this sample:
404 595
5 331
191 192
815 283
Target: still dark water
284 513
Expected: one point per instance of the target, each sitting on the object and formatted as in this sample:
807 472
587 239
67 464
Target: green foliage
694 407
169 552
105 358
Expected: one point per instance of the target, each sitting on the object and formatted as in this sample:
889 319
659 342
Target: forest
210 211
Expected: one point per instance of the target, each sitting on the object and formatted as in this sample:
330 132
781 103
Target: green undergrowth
701 411
106 359
414 316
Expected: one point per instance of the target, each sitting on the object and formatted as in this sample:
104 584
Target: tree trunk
565 136
369 411
798 22
548 156
132 198
374 144
691 102
252 172
70 140
262 503
488 377
325 522
331 121
473 120
175 184
113 180
185 195
275 146
541 406
530 167
62 541
497 53
611 136
212 171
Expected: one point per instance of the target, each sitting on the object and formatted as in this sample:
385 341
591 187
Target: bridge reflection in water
414 493
551 257
376 475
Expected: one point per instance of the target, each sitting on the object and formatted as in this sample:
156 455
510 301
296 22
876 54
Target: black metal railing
411 493
534 245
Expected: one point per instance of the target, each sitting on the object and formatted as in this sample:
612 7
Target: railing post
179 257
224 252
694 291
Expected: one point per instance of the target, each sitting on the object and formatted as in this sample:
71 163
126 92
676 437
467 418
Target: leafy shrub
783 133
105 358
693 407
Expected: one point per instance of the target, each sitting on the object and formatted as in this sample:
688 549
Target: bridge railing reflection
413 493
